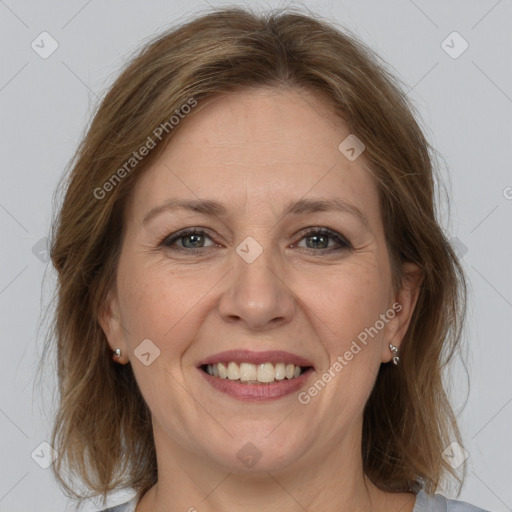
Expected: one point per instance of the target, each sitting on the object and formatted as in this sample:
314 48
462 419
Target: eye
319 239
188 240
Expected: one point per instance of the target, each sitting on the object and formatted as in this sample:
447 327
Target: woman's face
268 270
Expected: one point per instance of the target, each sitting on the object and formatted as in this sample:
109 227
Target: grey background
466 106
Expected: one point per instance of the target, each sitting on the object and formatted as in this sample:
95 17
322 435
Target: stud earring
394 351
117 352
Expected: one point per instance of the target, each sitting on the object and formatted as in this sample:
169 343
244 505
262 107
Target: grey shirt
424 503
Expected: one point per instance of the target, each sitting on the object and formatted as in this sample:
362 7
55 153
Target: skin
255 152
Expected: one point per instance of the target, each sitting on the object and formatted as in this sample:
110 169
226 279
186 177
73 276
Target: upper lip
247 356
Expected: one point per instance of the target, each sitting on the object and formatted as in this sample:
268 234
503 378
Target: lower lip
257 392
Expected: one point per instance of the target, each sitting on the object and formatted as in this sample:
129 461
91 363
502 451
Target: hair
102 430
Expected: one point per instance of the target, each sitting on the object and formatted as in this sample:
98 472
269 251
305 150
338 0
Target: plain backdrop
465 102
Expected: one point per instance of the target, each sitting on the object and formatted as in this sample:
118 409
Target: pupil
321 238
193 238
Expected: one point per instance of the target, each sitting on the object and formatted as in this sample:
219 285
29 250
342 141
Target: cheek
164 305
153 306
347 301
347 317
160 306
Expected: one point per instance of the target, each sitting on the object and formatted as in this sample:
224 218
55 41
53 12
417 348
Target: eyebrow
300 207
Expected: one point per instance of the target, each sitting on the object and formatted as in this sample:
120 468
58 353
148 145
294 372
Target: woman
255 300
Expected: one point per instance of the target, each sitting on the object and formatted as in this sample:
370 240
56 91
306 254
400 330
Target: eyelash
343 243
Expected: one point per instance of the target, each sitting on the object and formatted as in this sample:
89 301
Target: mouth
249 373
256 376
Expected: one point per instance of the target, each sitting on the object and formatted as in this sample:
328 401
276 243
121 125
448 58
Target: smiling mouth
248 373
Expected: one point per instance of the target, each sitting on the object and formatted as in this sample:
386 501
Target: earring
394 350
117 352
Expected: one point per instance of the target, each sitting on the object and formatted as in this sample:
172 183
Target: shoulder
438 503
129 506
424 503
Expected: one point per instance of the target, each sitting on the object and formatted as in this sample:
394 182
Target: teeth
223 371
266 372
233 371
248 372
280 371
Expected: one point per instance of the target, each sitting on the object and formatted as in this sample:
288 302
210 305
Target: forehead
257 146
266 123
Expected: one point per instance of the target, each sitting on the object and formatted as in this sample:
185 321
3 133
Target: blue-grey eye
192 239
323 239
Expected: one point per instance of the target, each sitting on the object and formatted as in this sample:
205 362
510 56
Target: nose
257 295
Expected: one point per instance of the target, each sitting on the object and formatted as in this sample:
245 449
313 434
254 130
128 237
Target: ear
110 323
404 303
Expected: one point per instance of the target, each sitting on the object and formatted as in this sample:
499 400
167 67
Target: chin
254 454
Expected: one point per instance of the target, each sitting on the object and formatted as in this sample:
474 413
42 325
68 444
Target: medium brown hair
102 430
